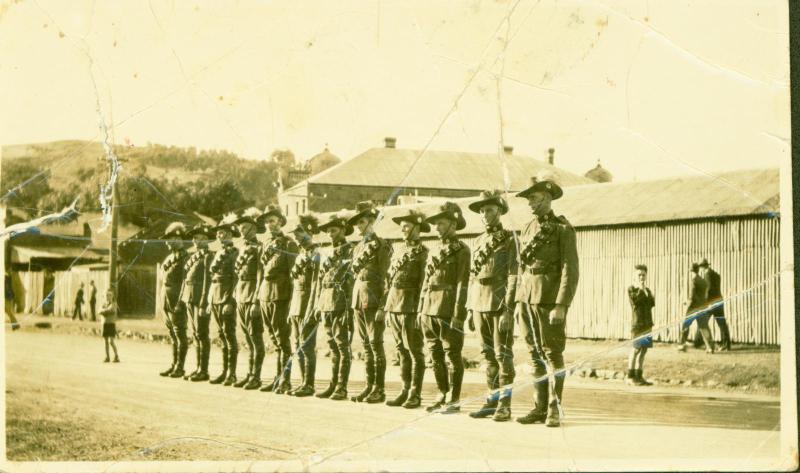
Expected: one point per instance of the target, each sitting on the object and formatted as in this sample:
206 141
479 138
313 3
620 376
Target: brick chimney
390 141
550 156
508 149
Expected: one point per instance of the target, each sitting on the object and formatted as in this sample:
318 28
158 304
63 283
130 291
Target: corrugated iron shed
433 169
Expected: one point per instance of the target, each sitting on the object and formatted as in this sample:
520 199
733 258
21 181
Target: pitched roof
432 169
730 194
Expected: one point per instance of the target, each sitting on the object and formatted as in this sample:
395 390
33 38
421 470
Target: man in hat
403 287
274 293
332 304
492 289
76 311
715 303
546 284
696 310
221 297
443 305
304 325
173 271
195 296
246 294
371 258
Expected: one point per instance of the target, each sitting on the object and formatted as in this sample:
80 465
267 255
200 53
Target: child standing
108 315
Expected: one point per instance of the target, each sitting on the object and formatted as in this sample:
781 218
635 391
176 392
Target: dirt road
158 418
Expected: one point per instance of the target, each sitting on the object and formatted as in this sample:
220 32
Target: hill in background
157 182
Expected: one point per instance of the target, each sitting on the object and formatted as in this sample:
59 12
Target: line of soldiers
285 287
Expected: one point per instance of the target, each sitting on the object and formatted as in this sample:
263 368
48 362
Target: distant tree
23 185
284 158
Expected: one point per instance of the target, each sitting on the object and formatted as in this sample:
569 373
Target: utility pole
112 245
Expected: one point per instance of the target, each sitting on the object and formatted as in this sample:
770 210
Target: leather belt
397 285
440 287
490 280
543 269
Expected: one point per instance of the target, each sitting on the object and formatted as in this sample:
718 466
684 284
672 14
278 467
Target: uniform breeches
337 328
176 324
225 318
408 341
252 326
304 338
497 349
200 320
545 342
443 340
371 334
276 321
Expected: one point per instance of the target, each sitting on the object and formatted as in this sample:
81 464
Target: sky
650 89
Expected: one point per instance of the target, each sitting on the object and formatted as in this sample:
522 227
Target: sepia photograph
383 235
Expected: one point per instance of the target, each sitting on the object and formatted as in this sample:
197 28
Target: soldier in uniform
443 305
492 290
548 277
173 269
246 292
403 286
274 293
332 296
221 299
195 296
304 325
371 258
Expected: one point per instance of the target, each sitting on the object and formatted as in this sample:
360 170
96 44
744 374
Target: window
304 205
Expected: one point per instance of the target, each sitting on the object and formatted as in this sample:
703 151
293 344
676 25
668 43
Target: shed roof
433 169
730 194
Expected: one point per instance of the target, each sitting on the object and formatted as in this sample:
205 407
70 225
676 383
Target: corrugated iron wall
136 291
744 252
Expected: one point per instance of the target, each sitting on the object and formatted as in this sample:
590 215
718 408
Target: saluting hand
558 314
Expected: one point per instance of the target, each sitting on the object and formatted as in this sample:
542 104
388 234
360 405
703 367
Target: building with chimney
390 175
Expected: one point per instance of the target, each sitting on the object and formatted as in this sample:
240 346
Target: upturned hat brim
459 218
495 200
341 223
207 231
311 231
550 187
231 227
260 228
373 213
277 213
423 225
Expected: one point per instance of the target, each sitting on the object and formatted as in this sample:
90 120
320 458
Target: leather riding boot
340 393
335 362
399 400
221 378
503 412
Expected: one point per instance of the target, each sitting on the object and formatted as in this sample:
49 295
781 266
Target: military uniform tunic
492 291
173 269
332 302
404 284
195 295
274 294
371 258
443 299
247 305
304 274
222 302
548 275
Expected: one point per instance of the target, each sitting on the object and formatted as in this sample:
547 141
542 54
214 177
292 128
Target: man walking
443 308
246 292
93 300
332 296
371 257
195 296
304 325
492 289
76 310
274 294
696 310
221 298
404 284
548 277
715 303
173 272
